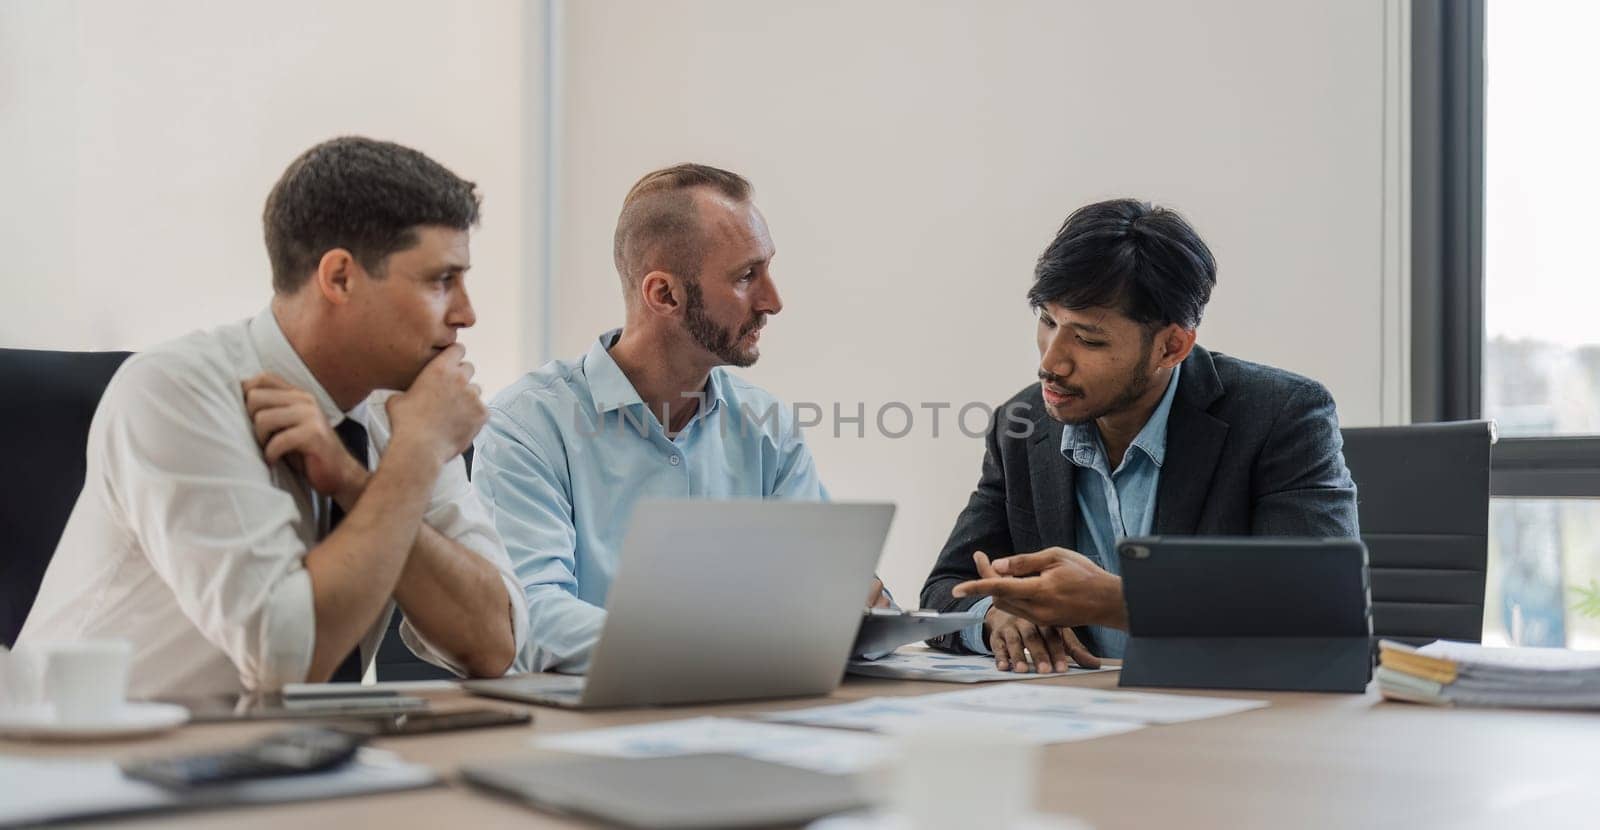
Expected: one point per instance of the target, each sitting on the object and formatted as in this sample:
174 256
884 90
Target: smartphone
291 752
421 723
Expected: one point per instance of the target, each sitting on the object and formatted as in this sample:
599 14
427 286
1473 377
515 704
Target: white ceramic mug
87 680
962 775
21 678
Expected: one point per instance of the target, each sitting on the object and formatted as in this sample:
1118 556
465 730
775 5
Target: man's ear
1173 344
334 274
661 293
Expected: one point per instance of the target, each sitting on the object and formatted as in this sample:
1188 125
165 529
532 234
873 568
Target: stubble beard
713 338
1134 387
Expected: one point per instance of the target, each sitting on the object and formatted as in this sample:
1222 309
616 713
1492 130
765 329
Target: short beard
711 337
1134 388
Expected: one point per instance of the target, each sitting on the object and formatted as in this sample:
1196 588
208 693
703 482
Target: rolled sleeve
456 513
288 632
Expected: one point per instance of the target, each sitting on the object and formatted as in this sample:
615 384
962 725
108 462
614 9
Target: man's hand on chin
1054 587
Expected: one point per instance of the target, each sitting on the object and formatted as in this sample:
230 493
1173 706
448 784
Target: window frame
1447 202
1447 255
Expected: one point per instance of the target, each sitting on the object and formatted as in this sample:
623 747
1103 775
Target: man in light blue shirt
647 412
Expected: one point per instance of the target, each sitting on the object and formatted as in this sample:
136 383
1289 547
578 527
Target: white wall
138 142
914 157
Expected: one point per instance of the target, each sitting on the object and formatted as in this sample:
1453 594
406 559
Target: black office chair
394 660
47 400
1423 495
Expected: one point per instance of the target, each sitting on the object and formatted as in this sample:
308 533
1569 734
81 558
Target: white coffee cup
87 680
962 775
21 677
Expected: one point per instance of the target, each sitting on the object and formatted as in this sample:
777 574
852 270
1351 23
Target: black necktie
354 437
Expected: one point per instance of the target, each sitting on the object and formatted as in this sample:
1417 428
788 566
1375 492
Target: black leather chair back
1423 496
47 400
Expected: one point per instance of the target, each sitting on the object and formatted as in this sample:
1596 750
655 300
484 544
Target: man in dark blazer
1132 430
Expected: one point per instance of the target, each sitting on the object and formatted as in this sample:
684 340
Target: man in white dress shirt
255 506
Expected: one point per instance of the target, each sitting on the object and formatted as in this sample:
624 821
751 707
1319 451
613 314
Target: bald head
661 227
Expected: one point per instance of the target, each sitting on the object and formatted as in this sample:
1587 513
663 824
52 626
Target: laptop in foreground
724 600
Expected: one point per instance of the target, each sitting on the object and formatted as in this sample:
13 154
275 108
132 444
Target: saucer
38 722
891 821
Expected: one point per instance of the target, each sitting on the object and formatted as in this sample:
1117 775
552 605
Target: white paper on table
822 750
922 664
900 714
1067 701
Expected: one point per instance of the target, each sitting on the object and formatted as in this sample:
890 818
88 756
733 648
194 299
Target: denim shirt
1111 504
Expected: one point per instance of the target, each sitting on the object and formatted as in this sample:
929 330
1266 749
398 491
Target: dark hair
660 224
1125 254
365 196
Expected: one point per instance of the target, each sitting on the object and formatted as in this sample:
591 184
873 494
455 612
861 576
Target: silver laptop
724 600
680 792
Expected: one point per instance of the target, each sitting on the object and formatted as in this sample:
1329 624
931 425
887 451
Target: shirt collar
280 358
1152 437
610 388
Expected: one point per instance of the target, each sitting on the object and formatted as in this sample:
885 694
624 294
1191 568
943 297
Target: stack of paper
1446 672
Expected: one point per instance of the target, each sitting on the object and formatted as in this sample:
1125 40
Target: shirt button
673 460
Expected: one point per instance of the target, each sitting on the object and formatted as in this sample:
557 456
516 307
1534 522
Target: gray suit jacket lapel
1194 445
1055 502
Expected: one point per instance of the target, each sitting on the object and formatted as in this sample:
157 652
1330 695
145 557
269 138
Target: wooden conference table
1308 760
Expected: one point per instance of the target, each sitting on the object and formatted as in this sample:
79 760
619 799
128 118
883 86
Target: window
1507 290
1544 573
1541 278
